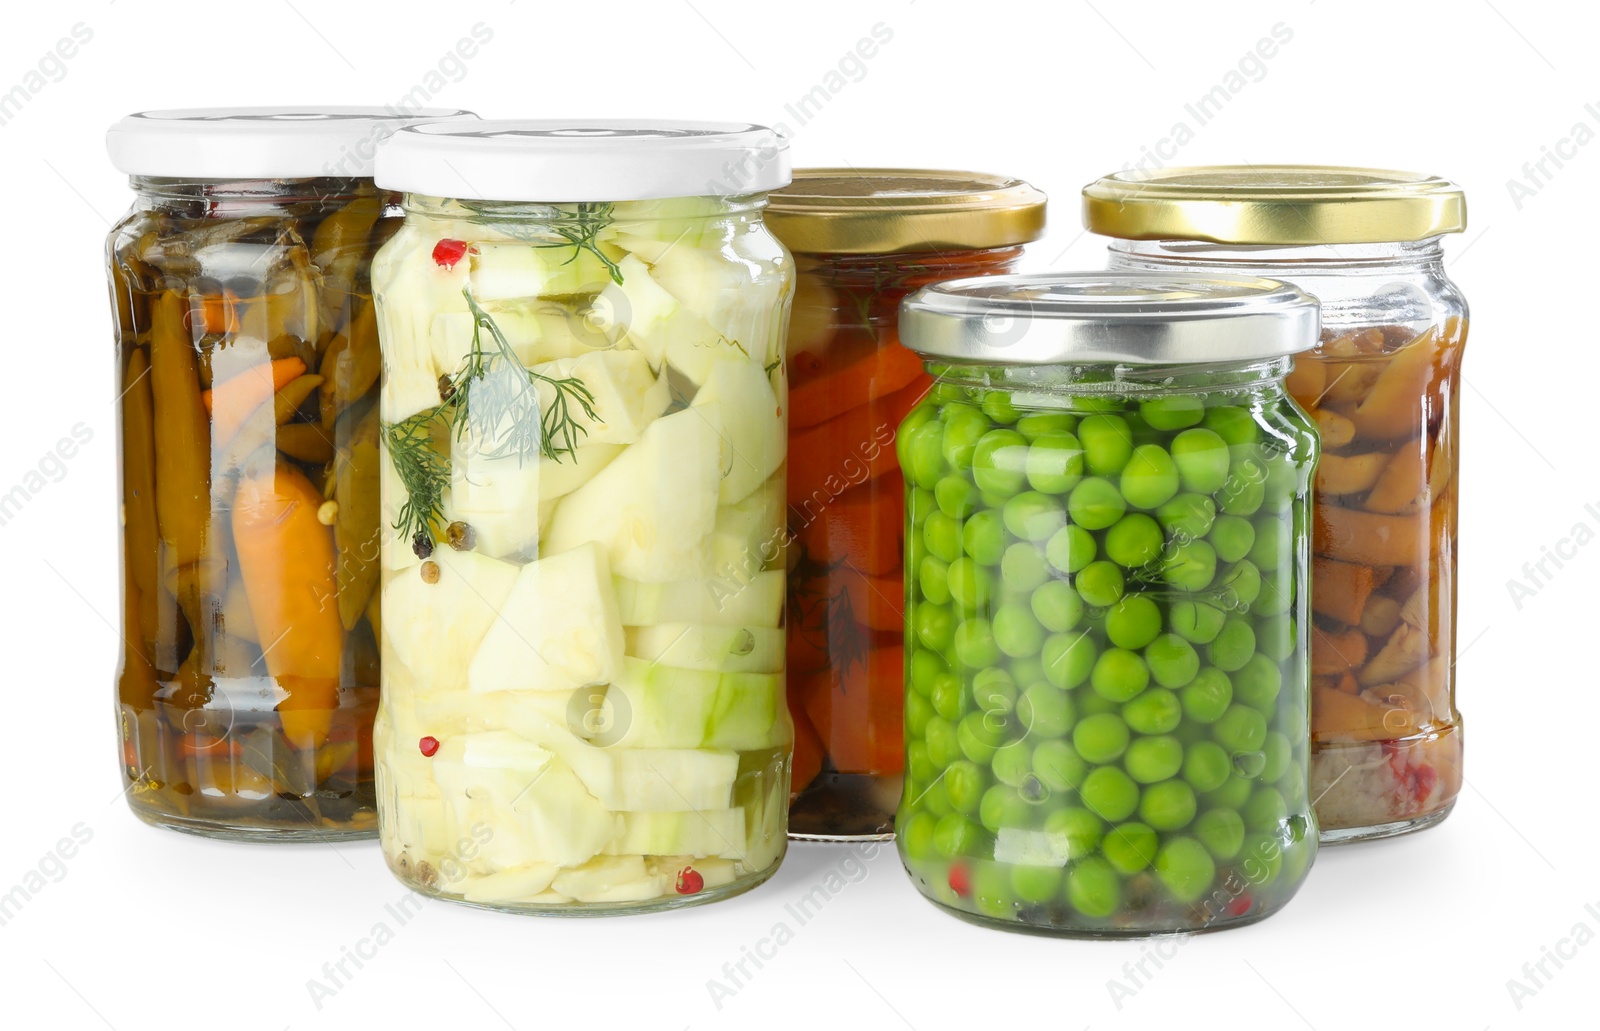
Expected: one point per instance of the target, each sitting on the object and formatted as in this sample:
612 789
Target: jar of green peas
1108 494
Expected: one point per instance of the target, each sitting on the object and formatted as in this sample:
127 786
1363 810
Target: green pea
1056 606
1283 478
923 461
1099 583
1069 658
1207 696
1119 675
1035 883
1003 806
1133 622
1134 540
1028 669
1257 683
921 502
1130 847
933 580
977 738
1275 637
1245 490
1278 753
944 746
915 832
1150 479
964 426
1055 462
918 710
925 666
1023 567
1016 632
1045 711
1206 766
1232 536
975 644
1168 806
942 536
1107 443
1233 645
1271 546
944 391
983 536
997 406
1074 832
1262 857
933 799
955 496
1240 584
919 416
1173 411
1070 549
992 499
1196 621
1234 425
991 890
1186 868
1153 759
1277 595
1058 765
1189 566
957 835
1233 793
1221 831
1202 459
1187 517
994 691
1109 793
999 462
1095 503
1265 810
934 625
1100 738
1013 763
1173 661
947 697
1241 729
1036 424
1033 516
1155 711
1093 888
964 784
968 583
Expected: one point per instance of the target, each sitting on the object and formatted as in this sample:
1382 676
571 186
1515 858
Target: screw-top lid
592 160
1294 205
889 210
259 142
1139 318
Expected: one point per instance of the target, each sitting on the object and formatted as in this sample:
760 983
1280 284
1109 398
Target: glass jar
1384 389
247 365
582 410
1108 519
863 239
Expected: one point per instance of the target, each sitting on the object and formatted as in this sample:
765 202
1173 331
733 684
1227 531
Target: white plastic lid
591 160
259 142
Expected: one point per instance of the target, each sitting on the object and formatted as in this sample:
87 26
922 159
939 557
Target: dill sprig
423 471
582 233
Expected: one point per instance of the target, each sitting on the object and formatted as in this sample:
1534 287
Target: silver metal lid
1137 318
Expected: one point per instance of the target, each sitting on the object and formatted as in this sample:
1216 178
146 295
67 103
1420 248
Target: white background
146 928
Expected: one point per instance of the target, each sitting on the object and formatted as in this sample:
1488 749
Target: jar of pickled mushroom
582 433
247 367
863 239
1383 387
1108 503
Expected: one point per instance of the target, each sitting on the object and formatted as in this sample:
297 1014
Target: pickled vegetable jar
247 367
863 239
1108 510
1383 386
583 422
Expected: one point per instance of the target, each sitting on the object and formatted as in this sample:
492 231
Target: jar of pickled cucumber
863 239
582 425
1383 386
247 368
1108 518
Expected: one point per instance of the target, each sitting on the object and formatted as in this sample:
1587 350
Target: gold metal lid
1274 204
887 210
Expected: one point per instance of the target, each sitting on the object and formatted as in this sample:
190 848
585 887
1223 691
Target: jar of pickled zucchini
863 239
1108 511
582 433
247 368
1383 386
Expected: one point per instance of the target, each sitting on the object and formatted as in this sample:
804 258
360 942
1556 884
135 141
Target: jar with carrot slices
1108 505
247 367
1383 387
863 239
583 405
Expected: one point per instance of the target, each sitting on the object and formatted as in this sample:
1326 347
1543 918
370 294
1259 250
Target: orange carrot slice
858 711
808 753
231 401
1340 589
1369 538
862 525
880 372
828 459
